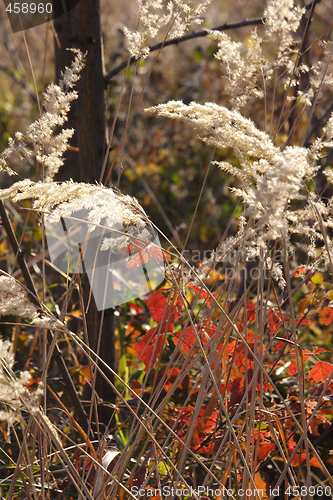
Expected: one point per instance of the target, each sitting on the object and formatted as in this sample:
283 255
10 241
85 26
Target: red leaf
315 462
326 315
295 462
157 253
274 321
32 382
143 252
251 311
303 321
185 340
306 354
149 347
264 450
135 246
299 271
183 418
261 484
171 377
139 477
135 310
85 374
236 391
203 293
243 358
321 371
157 304
318 350
315 422
292 368
140 259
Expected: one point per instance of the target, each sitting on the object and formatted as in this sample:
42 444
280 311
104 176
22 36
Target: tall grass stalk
228 381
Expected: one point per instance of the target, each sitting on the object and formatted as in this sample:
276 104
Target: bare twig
195 34
185 38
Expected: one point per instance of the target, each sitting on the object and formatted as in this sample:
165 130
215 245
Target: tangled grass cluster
279 205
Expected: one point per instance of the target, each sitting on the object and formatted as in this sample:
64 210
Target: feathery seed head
48 148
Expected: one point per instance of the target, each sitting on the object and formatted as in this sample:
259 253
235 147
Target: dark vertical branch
80 28
303 79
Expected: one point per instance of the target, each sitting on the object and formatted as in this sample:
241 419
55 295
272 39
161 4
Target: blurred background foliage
160 162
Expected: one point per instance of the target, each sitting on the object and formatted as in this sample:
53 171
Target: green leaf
318 279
